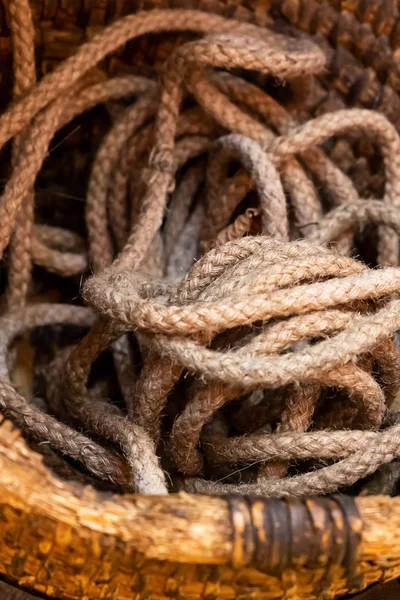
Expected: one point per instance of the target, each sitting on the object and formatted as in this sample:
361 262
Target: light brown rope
22 31
233 343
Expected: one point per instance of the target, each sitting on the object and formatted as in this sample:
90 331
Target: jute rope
217 270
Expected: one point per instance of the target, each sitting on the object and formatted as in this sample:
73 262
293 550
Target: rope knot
286 348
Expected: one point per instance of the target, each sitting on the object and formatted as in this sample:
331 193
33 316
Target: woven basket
63 540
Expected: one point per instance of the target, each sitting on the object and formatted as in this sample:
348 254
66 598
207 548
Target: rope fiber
246 345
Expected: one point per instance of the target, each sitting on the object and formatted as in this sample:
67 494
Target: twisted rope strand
229 348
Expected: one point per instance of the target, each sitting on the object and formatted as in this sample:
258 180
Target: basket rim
231 532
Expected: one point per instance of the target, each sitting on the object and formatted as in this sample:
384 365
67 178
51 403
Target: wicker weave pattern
360 38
